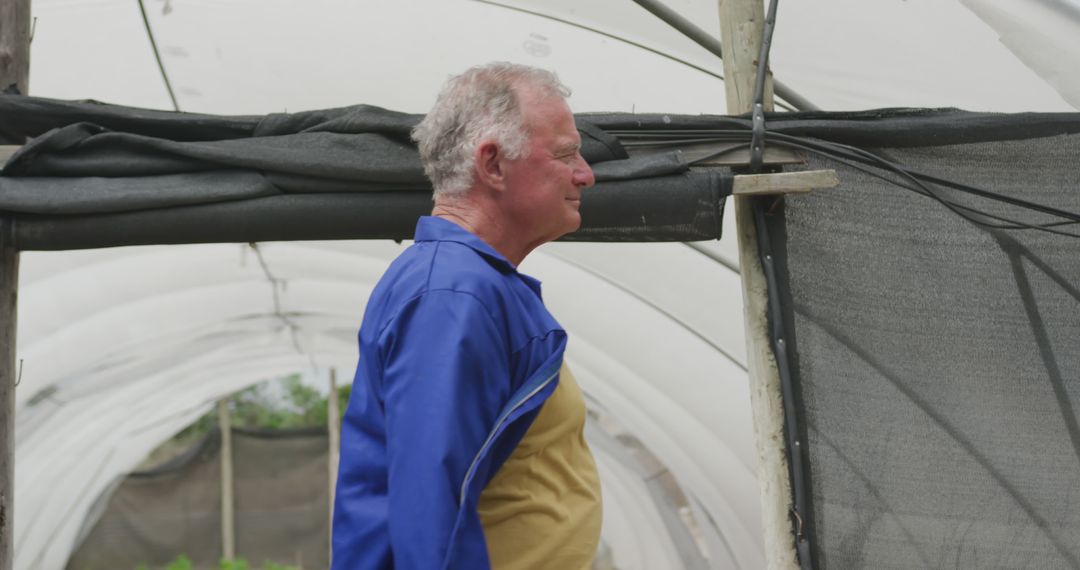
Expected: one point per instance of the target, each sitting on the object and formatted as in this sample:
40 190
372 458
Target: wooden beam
741 25
15 45
228 518
783 182
14 71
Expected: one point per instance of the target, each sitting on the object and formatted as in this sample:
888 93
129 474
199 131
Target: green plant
181 563
237 564
275 566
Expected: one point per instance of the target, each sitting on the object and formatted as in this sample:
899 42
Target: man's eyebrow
572 147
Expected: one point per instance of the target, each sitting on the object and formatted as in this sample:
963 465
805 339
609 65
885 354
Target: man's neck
476 217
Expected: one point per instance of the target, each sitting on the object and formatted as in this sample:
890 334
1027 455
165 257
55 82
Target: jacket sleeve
446 377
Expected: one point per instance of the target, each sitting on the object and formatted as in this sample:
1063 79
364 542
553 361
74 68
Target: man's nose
583 175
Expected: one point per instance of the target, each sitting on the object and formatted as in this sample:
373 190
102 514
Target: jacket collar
431 228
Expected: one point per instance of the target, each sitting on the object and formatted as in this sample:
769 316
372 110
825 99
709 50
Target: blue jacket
457 355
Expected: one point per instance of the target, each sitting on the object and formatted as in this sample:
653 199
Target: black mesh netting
938 363
281 507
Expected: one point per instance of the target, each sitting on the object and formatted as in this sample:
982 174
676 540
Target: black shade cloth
688 206
937 363
901 127
99 175
281 506
33 116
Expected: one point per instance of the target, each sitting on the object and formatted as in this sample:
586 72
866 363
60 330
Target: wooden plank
784 182
741 25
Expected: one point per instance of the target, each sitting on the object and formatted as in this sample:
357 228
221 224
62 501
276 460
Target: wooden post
333 425
9 287
14 71
15 45
741 25
228 523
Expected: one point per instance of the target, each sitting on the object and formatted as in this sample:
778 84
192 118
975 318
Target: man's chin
574 224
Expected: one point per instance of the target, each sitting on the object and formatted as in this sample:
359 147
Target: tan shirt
542 509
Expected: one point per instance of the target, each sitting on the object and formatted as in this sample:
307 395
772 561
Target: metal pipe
707 41
684 26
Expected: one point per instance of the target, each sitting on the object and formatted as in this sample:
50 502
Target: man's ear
489 163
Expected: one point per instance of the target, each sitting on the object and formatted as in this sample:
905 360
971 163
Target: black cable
870 158
777 334
835 149
797 472
854 157
157 56
757 111
1010 224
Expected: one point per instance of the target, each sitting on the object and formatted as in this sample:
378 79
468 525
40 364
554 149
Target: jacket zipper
483 448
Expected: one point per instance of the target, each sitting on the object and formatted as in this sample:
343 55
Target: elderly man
463 445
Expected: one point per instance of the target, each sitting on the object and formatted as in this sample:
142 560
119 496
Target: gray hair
480 104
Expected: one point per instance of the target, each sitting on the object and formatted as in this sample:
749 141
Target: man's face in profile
546 182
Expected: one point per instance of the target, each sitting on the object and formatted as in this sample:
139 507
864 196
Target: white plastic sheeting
249 56
123 347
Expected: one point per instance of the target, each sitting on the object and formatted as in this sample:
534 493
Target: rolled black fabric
100 175
686 207
24 117
893 128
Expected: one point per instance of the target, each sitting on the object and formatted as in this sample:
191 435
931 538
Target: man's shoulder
441 266
457 267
